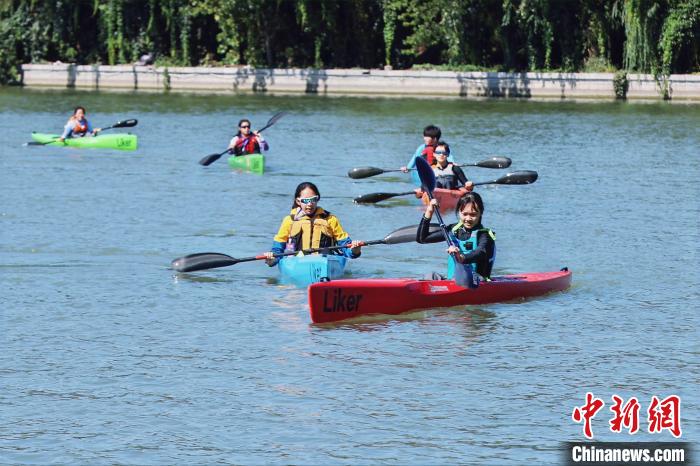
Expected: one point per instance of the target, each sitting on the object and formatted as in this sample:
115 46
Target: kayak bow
254 163
302 271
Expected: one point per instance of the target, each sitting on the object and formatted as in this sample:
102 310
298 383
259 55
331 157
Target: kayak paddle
463 275
120 124
517 177
493 162
209 159
212 260
123 124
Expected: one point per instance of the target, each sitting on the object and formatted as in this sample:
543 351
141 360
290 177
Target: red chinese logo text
587 412
665 414
626 416
661 415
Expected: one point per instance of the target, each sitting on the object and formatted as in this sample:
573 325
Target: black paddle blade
464 276
378 197
519 177
272 120
275 117
494 162
125 123
211 158
364 172
426 174
408 234
202 261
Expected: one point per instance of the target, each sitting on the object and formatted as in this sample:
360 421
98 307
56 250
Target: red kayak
447 198
342 299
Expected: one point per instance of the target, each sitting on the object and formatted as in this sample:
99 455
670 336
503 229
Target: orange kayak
447 198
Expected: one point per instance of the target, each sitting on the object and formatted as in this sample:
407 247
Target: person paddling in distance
310 226
447 174
247 141
477 244
78 126
431 136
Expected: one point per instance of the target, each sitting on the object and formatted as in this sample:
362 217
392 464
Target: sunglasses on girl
440 152
308 200
245 126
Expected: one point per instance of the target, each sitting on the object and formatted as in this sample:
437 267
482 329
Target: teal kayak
254 163
305 270
123 141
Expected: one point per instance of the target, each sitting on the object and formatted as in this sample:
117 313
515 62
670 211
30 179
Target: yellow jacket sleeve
338 233
283 233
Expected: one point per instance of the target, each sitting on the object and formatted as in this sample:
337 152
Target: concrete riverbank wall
356 81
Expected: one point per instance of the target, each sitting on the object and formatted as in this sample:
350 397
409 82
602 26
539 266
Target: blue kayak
305 270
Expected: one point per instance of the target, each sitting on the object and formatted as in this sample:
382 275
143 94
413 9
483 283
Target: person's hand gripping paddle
463 272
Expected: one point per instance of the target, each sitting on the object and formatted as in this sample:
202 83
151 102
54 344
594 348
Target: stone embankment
358 81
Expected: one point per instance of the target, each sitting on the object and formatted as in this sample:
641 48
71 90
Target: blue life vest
467 246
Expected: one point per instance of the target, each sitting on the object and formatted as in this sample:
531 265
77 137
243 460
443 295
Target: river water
110 357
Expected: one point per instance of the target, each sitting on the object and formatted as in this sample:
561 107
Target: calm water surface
109 357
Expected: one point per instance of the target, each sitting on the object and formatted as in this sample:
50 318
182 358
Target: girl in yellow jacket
310 226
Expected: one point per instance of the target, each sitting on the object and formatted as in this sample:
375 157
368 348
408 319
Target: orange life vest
80 128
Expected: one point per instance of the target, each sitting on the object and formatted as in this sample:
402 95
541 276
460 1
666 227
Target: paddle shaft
212 260
443 227
462 273
366 172
514 178
315 250
205 261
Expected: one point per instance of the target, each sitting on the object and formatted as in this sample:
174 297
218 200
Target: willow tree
680 37
643 21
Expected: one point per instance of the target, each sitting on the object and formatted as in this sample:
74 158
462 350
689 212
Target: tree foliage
655 36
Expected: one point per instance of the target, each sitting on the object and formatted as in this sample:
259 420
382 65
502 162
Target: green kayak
252 162
124 141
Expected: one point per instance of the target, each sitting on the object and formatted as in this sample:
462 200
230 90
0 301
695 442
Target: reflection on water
194 277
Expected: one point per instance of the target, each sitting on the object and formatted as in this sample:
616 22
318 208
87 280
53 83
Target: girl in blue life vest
310 226
247 141
477 245
78 126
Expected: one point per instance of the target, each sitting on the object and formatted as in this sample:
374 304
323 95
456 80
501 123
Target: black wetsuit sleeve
423 234
459 173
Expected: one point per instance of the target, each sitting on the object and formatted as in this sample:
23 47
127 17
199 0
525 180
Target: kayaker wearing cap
431 136
247 141
310 226
477 245
78 126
